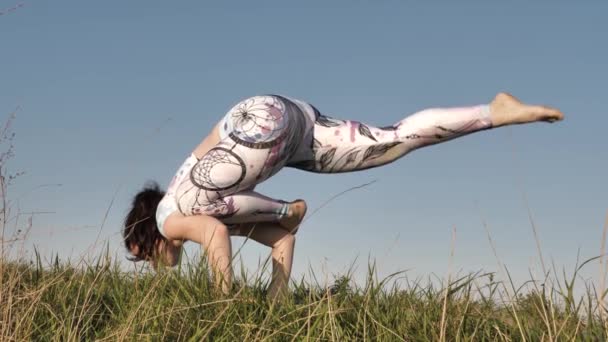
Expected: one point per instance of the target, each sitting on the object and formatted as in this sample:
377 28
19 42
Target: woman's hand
168 252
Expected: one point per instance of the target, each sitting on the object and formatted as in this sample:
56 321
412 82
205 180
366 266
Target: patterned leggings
263 134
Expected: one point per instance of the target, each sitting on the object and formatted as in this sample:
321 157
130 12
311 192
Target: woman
212 194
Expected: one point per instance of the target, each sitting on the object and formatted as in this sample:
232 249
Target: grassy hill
99 301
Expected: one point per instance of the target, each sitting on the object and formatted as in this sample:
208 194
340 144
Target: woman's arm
169 252
212 235
282 244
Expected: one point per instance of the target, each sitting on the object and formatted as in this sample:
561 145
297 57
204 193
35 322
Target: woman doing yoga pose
212 197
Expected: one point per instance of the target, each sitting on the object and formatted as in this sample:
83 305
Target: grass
99 301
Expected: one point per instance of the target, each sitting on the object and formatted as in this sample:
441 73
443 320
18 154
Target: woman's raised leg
344 145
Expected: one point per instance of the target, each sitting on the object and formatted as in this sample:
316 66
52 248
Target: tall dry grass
99 301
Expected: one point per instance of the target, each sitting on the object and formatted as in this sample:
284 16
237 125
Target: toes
558 115
552 115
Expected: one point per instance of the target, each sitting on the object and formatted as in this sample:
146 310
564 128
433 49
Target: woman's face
170 251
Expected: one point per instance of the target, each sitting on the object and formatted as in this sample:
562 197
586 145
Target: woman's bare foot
295 215
507 110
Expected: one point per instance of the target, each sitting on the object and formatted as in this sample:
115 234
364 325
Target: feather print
364 130
326 158
316 144
351 157
389 128
447 129
376 151
325 121
317 112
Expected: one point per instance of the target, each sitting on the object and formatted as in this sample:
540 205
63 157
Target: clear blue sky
114 93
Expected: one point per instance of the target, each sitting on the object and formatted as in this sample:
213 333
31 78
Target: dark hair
140 224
